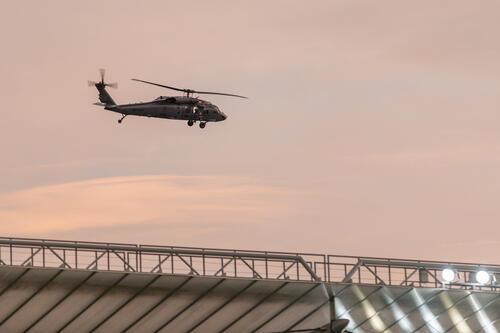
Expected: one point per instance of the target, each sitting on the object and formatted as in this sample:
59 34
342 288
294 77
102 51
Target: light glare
483 277
448 274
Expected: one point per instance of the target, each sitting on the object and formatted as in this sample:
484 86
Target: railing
241 264
409 273
158 259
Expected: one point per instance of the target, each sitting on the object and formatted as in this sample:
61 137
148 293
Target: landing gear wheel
190 123
121 119
202 125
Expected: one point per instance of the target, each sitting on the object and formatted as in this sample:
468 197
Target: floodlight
448 274
483 277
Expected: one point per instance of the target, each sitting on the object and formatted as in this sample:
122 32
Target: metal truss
130 258
159 259
407 273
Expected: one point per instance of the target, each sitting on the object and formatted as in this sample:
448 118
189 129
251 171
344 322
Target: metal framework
191 261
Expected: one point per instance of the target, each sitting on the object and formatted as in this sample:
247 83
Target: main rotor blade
161 85
189 91
217 93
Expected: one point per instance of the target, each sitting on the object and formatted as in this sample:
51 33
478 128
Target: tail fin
104 96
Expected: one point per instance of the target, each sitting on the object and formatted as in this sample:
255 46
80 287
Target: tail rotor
104 96
101 83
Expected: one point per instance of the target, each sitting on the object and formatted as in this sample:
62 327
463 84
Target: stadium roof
58 286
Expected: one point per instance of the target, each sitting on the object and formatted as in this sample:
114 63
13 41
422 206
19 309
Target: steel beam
255 274
492 323
59 257
60 301
161 261
254 307
473 313
13 282
101 295
130 299
286 270
285 308
193 271
30 298
96 260
436 316
190 305
124 261
425 302
167 296
313 311
360 301
383 308
223 266
353 271
232 298
30 257
310 313
374 274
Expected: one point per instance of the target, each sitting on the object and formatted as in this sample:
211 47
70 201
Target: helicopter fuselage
186 107
178 107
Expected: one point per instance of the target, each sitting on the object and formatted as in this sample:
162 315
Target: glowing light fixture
483 277
448 274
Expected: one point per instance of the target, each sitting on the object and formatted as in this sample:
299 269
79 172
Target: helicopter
184 107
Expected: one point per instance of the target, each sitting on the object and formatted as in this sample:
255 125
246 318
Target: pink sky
372 128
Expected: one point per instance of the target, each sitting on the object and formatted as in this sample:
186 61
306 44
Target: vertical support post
324 267
235 273
140 260
203 260
267 269
297 264
172 261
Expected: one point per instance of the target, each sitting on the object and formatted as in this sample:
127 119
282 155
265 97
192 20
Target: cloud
121 202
